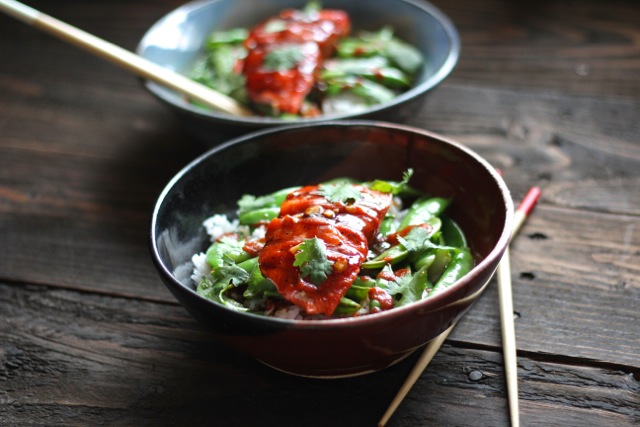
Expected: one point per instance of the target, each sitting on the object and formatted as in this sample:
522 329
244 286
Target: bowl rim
257 121
309 324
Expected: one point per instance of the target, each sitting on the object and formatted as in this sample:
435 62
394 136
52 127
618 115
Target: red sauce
346 230
393 238
253 247
315 35
384 299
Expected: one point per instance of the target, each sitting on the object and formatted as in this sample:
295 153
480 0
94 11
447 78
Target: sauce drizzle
346 228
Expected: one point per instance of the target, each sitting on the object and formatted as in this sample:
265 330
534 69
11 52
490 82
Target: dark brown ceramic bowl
268 160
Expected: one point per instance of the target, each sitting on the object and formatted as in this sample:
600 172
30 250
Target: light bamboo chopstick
509 351
506 309
122 57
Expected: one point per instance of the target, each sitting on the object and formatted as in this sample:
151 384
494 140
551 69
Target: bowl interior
176 40
305 154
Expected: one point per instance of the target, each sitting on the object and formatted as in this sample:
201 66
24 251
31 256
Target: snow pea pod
439 264
371 92
452 233
424 260
393 255
360 288
388 225
423 209
226 249
347 306
231 36
461 264
376 69
257 215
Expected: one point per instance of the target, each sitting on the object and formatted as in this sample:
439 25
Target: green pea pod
439 264
366 44
249 202
461 264
226 249
373 92
375 68
393 255
452 233
231 36
404 56
388 225
249 265
425 259
347 306
257 215
352 66
360 288
423 209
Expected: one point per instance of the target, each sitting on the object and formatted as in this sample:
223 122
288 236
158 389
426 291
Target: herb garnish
284 58
340 192
312 260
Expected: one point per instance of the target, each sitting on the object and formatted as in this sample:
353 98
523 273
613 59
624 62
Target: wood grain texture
70 358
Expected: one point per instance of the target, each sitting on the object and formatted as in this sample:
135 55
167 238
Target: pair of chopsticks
506 318
122 57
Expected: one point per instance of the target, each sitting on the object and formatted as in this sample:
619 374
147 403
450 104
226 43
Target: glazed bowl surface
176 40
272 159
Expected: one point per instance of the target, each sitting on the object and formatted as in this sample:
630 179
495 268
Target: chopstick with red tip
506 308
508 333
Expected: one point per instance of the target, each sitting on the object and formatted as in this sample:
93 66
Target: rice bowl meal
336 249
394 54
333 249
307 62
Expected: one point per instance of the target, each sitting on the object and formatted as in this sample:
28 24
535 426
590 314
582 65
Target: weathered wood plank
71 358
576 289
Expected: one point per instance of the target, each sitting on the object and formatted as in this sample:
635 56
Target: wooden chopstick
506 309
509 350
122 57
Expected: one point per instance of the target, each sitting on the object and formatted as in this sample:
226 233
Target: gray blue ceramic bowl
271 159
176 40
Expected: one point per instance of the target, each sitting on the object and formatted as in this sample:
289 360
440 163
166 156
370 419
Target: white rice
219 224
200 267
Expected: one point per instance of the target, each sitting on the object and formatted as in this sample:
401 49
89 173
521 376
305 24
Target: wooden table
548 91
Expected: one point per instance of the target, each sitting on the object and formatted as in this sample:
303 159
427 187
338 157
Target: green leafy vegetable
418 239
406 288
231 274
250 202
340 192
284 58
231 36
275 26
225 250
222 280
312 260
394 187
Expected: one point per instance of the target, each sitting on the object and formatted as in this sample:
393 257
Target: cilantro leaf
231 274
418 239
223 279
312 260
340 192
394 187
283 58
405 288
